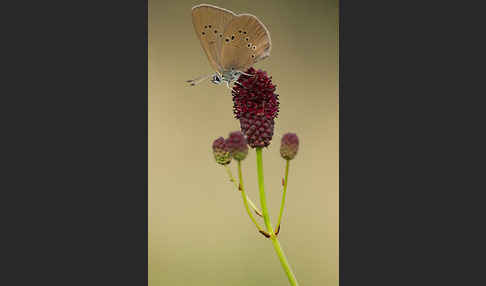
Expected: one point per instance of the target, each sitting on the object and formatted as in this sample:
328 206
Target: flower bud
220 151
289 146
237 145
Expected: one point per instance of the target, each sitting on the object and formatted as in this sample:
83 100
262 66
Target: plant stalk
268 224
245 198
230 175
283 195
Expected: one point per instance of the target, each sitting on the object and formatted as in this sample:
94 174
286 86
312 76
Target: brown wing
209 23
245 41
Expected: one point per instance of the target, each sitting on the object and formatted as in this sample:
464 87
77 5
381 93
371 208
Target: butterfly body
232 42
226 76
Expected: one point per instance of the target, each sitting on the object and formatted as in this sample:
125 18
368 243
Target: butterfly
232 42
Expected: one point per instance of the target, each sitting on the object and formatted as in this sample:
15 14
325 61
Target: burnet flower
256 105
220 152
289 146
237 145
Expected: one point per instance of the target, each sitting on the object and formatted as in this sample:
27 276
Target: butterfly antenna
200 79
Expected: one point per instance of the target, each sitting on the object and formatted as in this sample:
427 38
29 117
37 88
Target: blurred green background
199 232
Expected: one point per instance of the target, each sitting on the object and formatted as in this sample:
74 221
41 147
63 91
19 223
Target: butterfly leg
227 85
245 73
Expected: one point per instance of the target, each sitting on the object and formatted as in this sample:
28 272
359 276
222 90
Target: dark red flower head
237 145
289 146
256 105
220 151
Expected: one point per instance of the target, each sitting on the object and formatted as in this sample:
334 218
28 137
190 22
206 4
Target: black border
77 155
409 121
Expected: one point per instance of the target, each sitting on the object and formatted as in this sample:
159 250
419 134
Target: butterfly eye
227 40
216 79
233 37
249 45
209 26
247 39
254 47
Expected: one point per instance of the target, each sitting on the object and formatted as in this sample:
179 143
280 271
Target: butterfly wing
209 23
245 41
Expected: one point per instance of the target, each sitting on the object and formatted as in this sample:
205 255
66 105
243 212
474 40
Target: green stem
283 195
261 187
245 198
268 224
284 262
230 175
